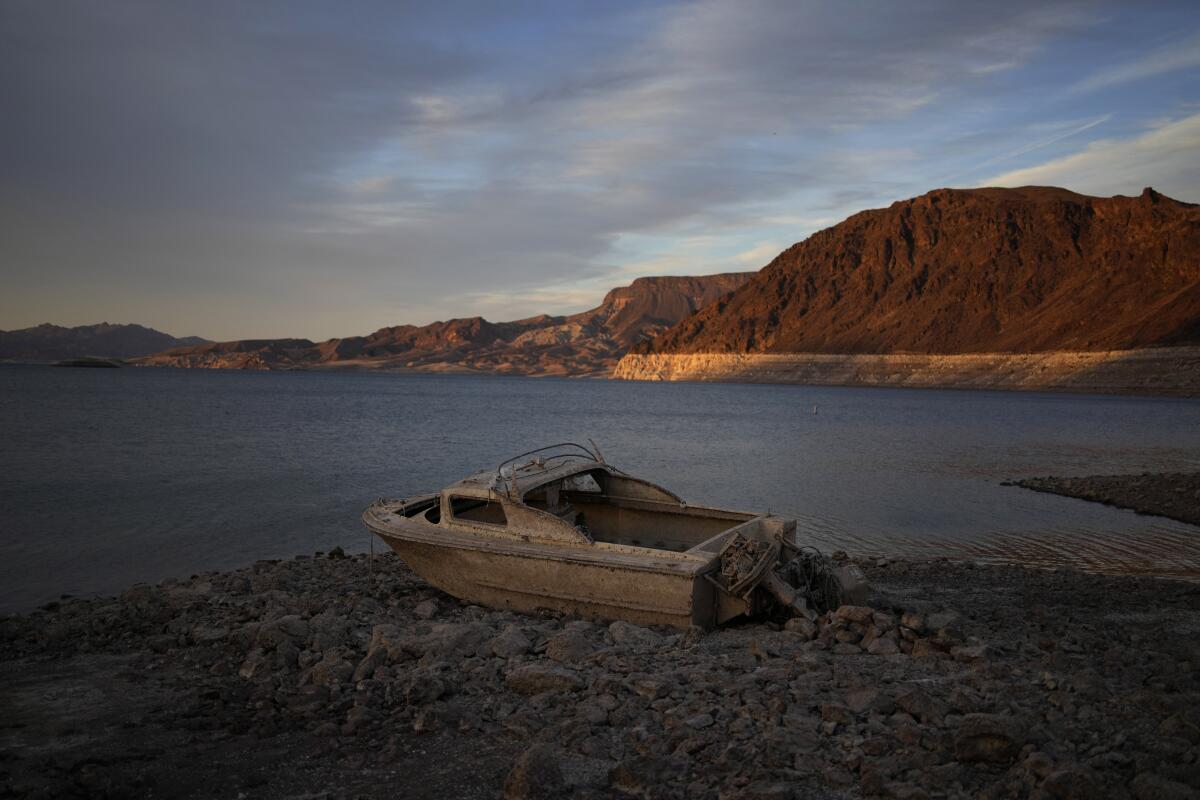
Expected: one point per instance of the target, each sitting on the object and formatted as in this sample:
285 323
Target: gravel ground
1175 495
349 677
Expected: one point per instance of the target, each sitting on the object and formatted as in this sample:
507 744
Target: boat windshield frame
591 455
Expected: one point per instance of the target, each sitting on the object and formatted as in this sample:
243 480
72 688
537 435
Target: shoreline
852 371
1171 495
1161 371
352 677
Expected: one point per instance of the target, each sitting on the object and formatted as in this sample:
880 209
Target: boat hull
584 584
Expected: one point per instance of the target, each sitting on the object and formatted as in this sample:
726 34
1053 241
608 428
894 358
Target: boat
560 528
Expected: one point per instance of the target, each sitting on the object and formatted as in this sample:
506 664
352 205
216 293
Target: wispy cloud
1166 156
1071 129
757 257
1179 55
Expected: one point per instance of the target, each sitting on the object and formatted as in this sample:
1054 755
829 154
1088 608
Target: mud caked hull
592 587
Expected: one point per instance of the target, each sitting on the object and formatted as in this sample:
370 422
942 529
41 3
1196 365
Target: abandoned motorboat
560 528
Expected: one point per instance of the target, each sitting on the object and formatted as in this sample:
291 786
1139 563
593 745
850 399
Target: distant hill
48 342
1026 270
588 343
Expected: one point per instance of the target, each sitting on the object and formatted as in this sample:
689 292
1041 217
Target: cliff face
1024 270
588 343
53 342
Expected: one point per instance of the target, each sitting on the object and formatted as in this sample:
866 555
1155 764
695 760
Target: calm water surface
108 477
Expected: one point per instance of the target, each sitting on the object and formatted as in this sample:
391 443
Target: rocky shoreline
1175 495
1168 371
338 676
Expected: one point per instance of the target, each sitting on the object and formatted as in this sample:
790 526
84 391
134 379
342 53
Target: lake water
109 477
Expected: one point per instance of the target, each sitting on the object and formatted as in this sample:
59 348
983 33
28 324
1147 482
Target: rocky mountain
588 343
1026 270
53 342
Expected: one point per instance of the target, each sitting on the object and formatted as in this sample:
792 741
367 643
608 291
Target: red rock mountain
965 271
587 343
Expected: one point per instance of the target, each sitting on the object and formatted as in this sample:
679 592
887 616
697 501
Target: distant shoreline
1152 372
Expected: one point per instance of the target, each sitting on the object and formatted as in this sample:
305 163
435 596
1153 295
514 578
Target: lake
109 477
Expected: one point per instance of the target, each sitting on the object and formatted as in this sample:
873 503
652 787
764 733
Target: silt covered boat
560 528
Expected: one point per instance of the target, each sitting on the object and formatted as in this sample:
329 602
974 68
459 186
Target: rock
835 775
388 641
256 667
945 618
290 629
357 719
802 627
905 791
337 553
1150 786
860 699
921 706
569 647
927 648
763 790
1076 783
427 720
645 776
538 678
327 631
883 646
988 738
330 670
832 712
913 621
629 635
426 609
373 660
863 615
970 653
648 686
699 721
424 689
692 637
454 639
510 642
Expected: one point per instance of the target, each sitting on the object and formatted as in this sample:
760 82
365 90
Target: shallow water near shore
109 477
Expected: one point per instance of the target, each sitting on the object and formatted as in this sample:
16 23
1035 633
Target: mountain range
48 342
954 287
588 343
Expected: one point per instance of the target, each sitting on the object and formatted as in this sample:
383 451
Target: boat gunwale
647 559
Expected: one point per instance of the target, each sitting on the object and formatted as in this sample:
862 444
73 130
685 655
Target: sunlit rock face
1156 370
588 343
1027 270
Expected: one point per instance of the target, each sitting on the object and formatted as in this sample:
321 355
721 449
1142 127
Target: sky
314 169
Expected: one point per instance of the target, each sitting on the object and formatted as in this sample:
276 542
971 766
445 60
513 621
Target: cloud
757 257
1178 55
295 168
1061 132
1164 156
